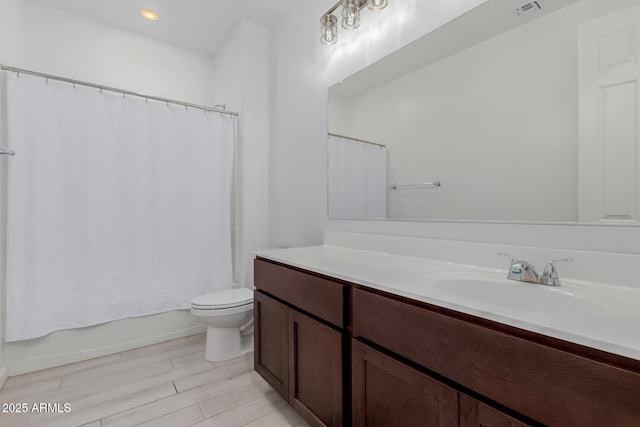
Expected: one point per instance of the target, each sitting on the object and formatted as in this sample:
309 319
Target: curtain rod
357 140
111 89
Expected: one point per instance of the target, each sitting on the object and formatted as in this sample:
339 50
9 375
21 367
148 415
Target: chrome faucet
550 274
523 271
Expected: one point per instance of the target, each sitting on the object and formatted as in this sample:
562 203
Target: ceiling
200 25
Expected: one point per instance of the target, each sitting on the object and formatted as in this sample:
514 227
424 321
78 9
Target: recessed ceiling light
149 14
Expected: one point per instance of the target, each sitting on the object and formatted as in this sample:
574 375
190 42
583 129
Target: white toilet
227 313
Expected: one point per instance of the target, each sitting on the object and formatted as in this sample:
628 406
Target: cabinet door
386 392
271 342
315 371
476 414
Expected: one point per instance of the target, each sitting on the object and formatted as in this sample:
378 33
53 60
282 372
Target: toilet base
222 344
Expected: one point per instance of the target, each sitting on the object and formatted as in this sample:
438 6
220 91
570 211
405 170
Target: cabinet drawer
543 383
316 295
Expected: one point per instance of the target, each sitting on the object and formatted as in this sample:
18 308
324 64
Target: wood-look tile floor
168 384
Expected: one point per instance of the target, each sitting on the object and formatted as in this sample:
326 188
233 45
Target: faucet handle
550 274
517 269
511 263
507 255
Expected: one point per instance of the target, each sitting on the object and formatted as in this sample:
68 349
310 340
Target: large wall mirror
520 111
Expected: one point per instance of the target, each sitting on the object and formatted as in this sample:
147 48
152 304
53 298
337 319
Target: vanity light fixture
350 17
329 29
149 15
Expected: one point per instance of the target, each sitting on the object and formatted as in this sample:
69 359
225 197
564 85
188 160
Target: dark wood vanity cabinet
539 379
297 351
344 354
387 392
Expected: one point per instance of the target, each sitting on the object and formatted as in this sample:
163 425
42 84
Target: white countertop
597 315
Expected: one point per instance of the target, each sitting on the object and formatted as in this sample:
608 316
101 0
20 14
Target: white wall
59 43
241 78
253 223
302 70
339 116
228 87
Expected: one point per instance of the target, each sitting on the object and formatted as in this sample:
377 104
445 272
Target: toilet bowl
226 312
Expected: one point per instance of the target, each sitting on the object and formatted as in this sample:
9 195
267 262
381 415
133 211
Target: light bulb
350 15
149 14
329 29
377 4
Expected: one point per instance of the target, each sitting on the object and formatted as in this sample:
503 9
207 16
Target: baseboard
70 346
4 375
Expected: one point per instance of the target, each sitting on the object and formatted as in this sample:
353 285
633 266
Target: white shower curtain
117 207
357 179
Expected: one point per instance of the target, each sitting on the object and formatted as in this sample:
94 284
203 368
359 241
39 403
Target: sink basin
491 291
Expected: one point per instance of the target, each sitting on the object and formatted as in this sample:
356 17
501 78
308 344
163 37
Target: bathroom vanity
299 334
346 349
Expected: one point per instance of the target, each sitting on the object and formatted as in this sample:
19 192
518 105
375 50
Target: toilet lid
224 298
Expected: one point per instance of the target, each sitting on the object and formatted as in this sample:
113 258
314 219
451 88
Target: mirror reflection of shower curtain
357 182
117 207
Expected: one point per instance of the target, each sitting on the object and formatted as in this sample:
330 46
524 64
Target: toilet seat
223 299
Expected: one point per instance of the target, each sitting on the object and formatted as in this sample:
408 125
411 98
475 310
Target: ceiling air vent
529 8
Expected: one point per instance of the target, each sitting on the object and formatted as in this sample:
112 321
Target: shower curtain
117 207
357 179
